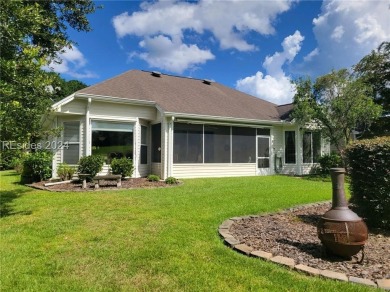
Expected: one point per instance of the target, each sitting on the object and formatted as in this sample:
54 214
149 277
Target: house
182 127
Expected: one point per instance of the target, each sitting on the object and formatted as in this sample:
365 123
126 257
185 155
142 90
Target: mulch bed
293 234
132 183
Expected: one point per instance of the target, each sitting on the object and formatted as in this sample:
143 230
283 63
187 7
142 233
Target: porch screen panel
71 138
243 145
216 144
156 143
144 146
289 151
263 152
188 143
307 147
316 146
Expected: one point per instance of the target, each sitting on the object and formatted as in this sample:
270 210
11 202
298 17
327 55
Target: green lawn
146 240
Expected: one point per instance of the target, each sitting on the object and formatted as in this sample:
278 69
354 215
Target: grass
146 240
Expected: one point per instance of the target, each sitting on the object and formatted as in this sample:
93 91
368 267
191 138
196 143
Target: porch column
88 129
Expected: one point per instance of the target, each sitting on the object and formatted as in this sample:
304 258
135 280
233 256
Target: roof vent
156 74
207 81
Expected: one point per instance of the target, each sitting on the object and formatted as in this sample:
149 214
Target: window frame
103 122
65 143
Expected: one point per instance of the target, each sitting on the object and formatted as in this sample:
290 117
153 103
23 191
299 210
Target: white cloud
175 57
275 87
71 62
311 55
346 31
337 33
228 21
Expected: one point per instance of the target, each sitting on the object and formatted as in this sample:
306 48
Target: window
112 140
311 145
156 143
216 144
188 143
71 154
243 145
289 151
144 146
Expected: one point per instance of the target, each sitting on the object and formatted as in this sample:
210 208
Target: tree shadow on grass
6 199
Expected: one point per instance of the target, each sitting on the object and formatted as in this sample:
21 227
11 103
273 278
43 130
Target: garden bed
131 183
293 234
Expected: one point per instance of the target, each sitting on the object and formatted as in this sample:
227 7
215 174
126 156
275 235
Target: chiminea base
342 238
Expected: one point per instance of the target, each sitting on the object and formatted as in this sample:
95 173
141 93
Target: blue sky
254 46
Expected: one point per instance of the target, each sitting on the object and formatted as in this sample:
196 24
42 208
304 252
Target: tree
32 34
62 88
337 102
374 70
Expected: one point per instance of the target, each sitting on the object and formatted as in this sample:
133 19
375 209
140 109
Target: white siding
121 111
156 169
213 170
75 107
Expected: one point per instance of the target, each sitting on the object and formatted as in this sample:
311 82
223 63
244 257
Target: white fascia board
115 99
228 120
62 102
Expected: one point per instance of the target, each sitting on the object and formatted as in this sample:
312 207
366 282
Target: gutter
195 118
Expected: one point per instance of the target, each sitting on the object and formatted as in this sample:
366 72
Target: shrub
329 161
369 168
12 158
37 167
65 171
153 177
122 166
171 180
91 165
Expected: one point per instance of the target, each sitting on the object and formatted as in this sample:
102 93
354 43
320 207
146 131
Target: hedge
37 167
369 168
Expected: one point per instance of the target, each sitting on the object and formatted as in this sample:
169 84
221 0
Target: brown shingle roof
185 95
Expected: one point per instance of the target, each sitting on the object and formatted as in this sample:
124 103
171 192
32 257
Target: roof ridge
178 76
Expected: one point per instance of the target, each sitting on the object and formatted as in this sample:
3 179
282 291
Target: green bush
153 177
12 158
329 161
369 169
64 171
91 165
37 166
171 180
122 166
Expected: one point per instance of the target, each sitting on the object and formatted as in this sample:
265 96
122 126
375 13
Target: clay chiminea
341 231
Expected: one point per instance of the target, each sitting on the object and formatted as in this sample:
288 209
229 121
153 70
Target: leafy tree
337 102
31 35
374 70
63 88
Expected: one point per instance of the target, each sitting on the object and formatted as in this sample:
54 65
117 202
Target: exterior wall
156 169
84 111
106 110
195 170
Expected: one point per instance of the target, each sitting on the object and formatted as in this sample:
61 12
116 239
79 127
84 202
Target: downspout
170 147
88 129
54 161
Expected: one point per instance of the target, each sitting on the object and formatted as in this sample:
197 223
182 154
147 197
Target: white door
263 155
